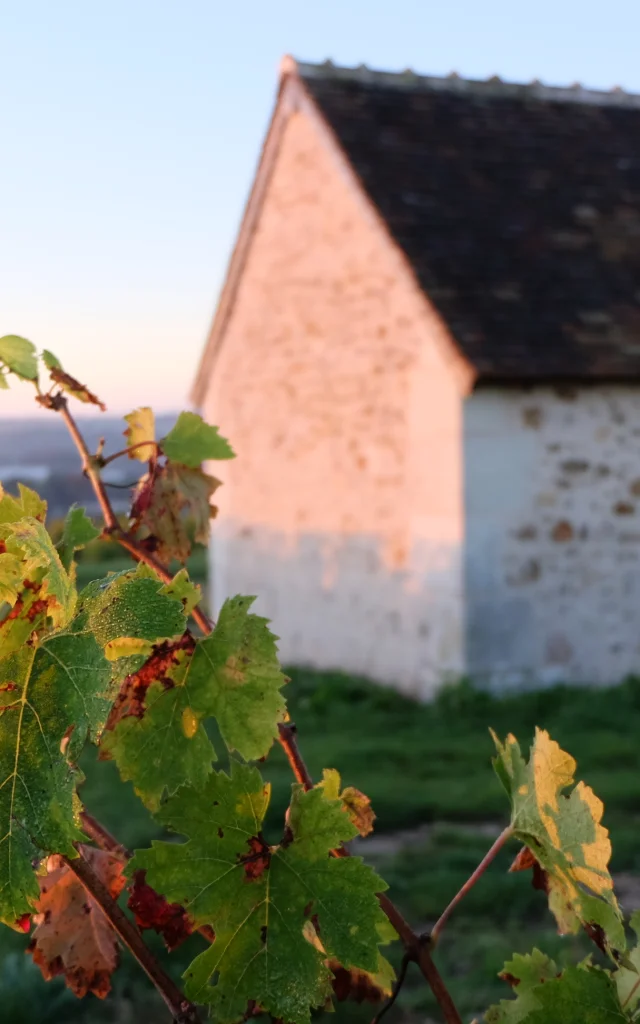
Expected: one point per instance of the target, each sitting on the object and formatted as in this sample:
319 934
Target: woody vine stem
417 947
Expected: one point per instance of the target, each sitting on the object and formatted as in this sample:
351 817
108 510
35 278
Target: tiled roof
518 207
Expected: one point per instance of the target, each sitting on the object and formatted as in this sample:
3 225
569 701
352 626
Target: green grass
89 569
419 764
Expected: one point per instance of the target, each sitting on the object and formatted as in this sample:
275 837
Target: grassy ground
419 765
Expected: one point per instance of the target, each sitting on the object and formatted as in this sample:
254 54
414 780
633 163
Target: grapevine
132 664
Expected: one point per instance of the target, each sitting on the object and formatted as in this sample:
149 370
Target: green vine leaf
565 836
78 531
627 978
153 733
156 734
191 441
50 361
19 356
133 604
265 903
52 694
580 995
238 679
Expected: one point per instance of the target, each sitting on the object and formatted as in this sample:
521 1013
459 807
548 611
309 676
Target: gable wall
343 510
552 561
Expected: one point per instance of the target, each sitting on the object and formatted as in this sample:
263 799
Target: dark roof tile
517 206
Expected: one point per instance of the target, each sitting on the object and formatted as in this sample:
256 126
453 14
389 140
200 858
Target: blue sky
130 132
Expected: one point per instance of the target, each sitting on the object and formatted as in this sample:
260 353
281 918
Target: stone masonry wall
343 510
552 558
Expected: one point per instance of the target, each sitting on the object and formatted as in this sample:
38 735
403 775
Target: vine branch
183 1011
489 856
125 451
402 973
417 948
60 404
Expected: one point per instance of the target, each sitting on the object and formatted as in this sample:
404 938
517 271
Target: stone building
427 356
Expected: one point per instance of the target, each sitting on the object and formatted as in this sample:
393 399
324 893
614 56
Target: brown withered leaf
165 500
152 911
357 985
74 387
356 804
72 936
358 807
524 860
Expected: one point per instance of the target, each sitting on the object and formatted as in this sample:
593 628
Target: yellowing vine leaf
259 899
72 936
28 504
356 804
33 583
142 427
565 835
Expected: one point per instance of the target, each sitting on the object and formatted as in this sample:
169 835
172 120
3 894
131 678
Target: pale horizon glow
131 133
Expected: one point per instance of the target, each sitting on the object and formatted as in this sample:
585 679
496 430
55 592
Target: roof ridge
454 82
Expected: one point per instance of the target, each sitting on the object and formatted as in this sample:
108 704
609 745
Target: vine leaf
141 427
360 986
565 835
627 978
183 589
78 531
237 679
165 500
258 898
151 911
52 694
68 383
155 732
72 936
33 583
580 995
191 441
28 504
134 604
19 356
356 804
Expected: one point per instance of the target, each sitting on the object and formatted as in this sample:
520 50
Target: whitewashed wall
341 393
552 553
